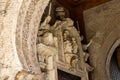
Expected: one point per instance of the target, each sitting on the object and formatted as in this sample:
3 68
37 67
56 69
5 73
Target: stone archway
101 55
103 20
26 33
18 25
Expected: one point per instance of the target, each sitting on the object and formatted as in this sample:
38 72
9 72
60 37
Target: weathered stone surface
102 25
17 18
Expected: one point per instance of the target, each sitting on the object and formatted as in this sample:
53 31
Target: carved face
66 35
60 15
73 39
66 32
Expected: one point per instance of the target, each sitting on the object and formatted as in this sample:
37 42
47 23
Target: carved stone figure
62 21
67 42
60 14
74 46
62 40
57 30
68 52
46 40
66 35
47 49
68 46
44 34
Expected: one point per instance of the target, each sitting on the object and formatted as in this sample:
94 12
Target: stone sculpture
70 49
47 49
62 40
45 36
69 44
75 46
47 44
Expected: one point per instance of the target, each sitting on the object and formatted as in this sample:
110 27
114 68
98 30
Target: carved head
73 39
66 32
60 13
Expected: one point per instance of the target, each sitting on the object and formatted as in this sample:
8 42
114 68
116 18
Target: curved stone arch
26 33
99 56
109 56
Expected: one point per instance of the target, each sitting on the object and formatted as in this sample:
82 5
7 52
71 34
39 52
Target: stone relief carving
59 46
70 49
46 46
46 49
